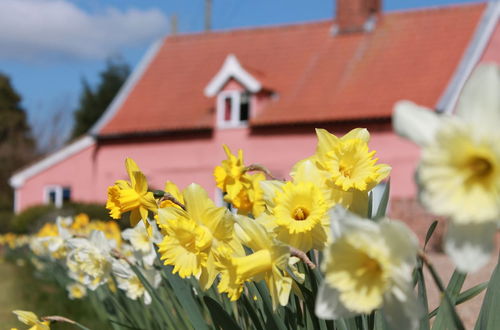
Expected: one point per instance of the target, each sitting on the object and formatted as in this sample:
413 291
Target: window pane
227 109
244 106
66 194
52 196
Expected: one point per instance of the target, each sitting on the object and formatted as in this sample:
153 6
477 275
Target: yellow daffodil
368 266
297 214
241 188
347 167
193 234
131 196
30 318
267 262
459 173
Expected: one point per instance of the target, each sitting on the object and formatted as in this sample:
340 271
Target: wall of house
191 158
76 172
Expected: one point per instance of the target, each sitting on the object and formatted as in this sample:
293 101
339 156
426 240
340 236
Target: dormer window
233 109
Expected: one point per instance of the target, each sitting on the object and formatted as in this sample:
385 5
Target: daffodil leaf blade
384 201
453 290
430 231
489 317
183 293
219 316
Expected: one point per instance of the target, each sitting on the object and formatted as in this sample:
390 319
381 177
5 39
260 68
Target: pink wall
184 160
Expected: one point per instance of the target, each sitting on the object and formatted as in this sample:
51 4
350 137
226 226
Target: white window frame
235 121
58 190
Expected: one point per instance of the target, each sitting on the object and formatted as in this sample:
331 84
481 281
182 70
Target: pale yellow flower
459 173
368 266
76 291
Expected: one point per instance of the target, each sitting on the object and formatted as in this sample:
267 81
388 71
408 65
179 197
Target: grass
21 290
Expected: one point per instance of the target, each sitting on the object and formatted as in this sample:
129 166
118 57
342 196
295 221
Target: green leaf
447 306
380 323
220 317
465 296
430 231
489 316
184 293
370 205
384 201
422 295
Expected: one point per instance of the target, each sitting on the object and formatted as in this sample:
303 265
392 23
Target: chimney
357 15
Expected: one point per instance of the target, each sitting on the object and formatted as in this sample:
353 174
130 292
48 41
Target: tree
93 102
17 146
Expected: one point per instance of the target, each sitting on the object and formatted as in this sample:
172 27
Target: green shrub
33 218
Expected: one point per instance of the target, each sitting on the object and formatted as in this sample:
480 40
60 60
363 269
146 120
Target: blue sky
56 43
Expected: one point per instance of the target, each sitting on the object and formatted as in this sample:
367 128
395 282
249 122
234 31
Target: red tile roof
317 75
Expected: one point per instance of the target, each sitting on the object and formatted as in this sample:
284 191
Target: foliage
16 144
35 216
94 101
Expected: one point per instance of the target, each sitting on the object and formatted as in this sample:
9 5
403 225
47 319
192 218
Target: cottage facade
264 90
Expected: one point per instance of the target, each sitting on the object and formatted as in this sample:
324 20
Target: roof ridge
319 23
449 6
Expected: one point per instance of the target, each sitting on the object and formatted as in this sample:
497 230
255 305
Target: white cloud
37 29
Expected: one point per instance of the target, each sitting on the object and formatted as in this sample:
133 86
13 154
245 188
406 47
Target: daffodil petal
328 305
357 133
470 245
402 312
415 123
479 102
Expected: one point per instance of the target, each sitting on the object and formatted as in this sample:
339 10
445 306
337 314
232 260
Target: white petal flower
368 266
459 174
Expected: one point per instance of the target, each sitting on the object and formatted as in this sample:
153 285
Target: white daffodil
89 261
76 291
129 282
142 242
368 265
459 173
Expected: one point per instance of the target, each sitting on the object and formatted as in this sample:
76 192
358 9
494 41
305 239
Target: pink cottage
264 90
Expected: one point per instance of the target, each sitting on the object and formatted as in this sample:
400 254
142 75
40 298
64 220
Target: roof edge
127 87
18 179
471 57
232 69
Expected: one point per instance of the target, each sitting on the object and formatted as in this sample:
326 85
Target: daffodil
192 235
297 212
347 167
142 242
242 188
129 282
89 261
30 318
131 196
267 262
76 291
368 266
459 172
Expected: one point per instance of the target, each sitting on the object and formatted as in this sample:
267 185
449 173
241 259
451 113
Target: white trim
58 190
471 57
235 121
232 69
126 88
17 180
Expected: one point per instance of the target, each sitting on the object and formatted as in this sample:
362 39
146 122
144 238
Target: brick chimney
357 15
